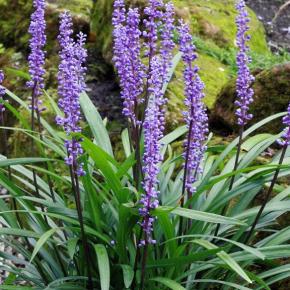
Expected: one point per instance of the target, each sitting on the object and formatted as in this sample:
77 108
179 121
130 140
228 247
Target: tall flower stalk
151 159
285 142
195 116
2 94
71 82
244 81
127 59
143 97
36 61
2 124
2 121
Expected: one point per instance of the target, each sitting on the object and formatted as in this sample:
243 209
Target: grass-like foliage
165 216
44 232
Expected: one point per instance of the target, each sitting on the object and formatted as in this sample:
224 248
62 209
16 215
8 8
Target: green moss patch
215 20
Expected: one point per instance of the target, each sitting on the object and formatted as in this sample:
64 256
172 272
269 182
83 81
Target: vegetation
78 215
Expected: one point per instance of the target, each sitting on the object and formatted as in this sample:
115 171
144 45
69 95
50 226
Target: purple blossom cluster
140 81
37 54
195 116
160 21
127 57
286 134
71 82
2 93
151 158
152 23
159 18
245 79
167 43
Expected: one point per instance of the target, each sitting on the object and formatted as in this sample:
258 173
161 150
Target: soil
103 87
278 30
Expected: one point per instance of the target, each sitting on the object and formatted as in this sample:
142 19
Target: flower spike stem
32 145
137 257
76 190
234 169
185 177
49 181
5 153
143 266
269 192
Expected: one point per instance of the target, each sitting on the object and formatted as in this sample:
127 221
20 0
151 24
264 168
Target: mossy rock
272 95
15 19
211 70
215 20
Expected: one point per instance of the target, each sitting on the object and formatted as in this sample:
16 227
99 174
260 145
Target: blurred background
213 27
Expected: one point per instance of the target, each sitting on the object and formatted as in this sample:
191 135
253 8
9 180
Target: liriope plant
158 219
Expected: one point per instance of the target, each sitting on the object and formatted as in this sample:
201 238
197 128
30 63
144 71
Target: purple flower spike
119 13
154 15
127 57
195 116
245 79
37 54
285 140
2 93
167 43
71 82
151 160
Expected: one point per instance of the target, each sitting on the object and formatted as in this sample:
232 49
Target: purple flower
151 160
195 116
2 93
127 52
167 43
71 82
37 54
157 47
127 58
245 79
285 140
119 13
160 21
152 21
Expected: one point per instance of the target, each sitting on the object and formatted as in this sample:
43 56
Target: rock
211 70
215 20
272 95
14 23
275 15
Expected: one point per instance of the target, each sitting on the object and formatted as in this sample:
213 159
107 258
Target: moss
101 28
15 18
215 20
211 70
81 7
215 75
272 92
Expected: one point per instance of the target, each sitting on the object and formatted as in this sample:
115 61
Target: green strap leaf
128 274
226 258
96 123
43 239
212 281
104 266
15 161
198 215
169 283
